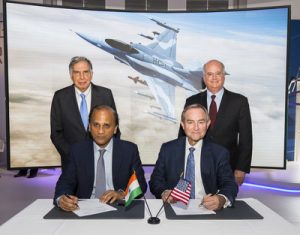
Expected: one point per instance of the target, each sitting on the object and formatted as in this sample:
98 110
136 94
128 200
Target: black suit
66 124
78 178
215 169
233 128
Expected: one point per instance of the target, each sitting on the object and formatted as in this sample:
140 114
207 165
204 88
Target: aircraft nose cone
88 38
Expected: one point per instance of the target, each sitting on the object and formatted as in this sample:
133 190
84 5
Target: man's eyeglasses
217 75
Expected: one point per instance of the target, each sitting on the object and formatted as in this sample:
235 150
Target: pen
201 204
71 198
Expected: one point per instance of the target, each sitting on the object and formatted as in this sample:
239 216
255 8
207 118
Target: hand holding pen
68 202
213 201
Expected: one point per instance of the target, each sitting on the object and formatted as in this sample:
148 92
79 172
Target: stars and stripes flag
182 191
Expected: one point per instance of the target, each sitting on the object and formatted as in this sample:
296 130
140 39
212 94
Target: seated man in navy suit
205 165
106 179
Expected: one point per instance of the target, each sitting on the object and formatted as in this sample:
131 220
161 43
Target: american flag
182 191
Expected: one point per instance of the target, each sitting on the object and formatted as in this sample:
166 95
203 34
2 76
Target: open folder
136 210
240 211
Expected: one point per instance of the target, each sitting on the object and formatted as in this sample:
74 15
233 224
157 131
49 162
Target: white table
30 221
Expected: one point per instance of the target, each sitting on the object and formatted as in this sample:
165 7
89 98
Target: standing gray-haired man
71 106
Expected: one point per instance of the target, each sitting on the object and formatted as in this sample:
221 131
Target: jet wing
164 95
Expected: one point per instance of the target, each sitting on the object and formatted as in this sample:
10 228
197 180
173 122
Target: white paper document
193 208
91 207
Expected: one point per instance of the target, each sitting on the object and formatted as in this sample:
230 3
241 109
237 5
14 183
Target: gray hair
77 59
194 106
222 66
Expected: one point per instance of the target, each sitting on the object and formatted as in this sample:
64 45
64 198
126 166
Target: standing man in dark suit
71 106
230 115
99 168
204 164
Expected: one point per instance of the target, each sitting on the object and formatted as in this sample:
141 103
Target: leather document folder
135 211
240 211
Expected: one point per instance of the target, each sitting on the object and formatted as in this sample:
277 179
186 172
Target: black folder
240 211
134 211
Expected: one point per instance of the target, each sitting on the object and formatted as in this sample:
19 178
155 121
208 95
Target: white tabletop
30 221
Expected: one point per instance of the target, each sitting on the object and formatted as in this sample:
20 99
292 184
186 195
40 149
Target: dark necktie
84 111
100 175
190 171
213 111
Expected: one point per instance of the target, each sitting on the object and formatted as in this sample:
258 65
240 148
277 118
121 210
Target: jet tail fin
165 42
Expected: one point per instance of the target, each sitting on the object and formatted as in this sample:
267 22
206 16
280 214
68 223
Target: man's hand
213 202
111 196
166 198
68 203
239 177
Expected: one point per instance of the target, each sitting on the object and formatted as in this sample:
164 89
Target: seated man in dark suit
99 167
205 165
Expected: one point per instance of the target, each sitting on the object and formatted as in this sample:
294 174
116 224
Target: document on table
91 207
193 208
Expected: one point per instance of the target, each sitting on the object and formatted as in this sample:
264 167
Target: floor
17 193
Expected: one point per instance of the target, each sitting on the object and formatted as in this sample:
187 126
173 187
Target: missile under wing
157 65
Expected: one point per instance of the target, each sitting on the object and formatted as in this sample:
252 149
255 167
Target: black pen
68 196
201 204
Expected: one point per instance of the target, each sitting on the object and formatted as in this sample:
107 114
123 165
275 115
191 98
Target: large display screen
152 62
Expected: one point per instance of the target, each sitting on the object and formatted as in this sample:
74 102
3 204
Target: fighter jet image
156 63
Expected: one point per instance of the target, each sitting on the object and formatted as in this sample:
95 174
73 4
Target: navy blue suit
78 178
215 169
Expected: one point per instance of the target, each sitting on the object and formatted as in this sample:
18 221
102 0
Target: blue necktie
84 111
190 171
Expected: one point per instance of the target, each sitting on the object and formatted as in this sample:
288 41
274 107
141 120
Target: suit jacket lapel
208 173
94 96
180 155
116 159
203 99
224 103
222 109
90 165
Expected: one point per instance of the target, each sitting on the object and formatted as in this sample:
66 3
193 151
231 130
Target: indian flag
133 189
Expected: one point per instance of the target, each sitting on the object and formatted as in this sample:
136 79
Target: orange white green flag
133 189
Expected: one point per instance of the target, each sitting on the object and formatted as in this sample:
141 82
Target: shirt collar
196 146
218 95
108 147
86 92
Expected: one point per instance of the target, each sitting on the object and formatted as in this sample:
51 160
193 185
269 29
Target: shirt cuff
163 193
57 200
227 202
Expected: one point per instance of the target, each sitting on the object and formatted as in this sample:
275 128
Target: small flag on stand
182 191
133 190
